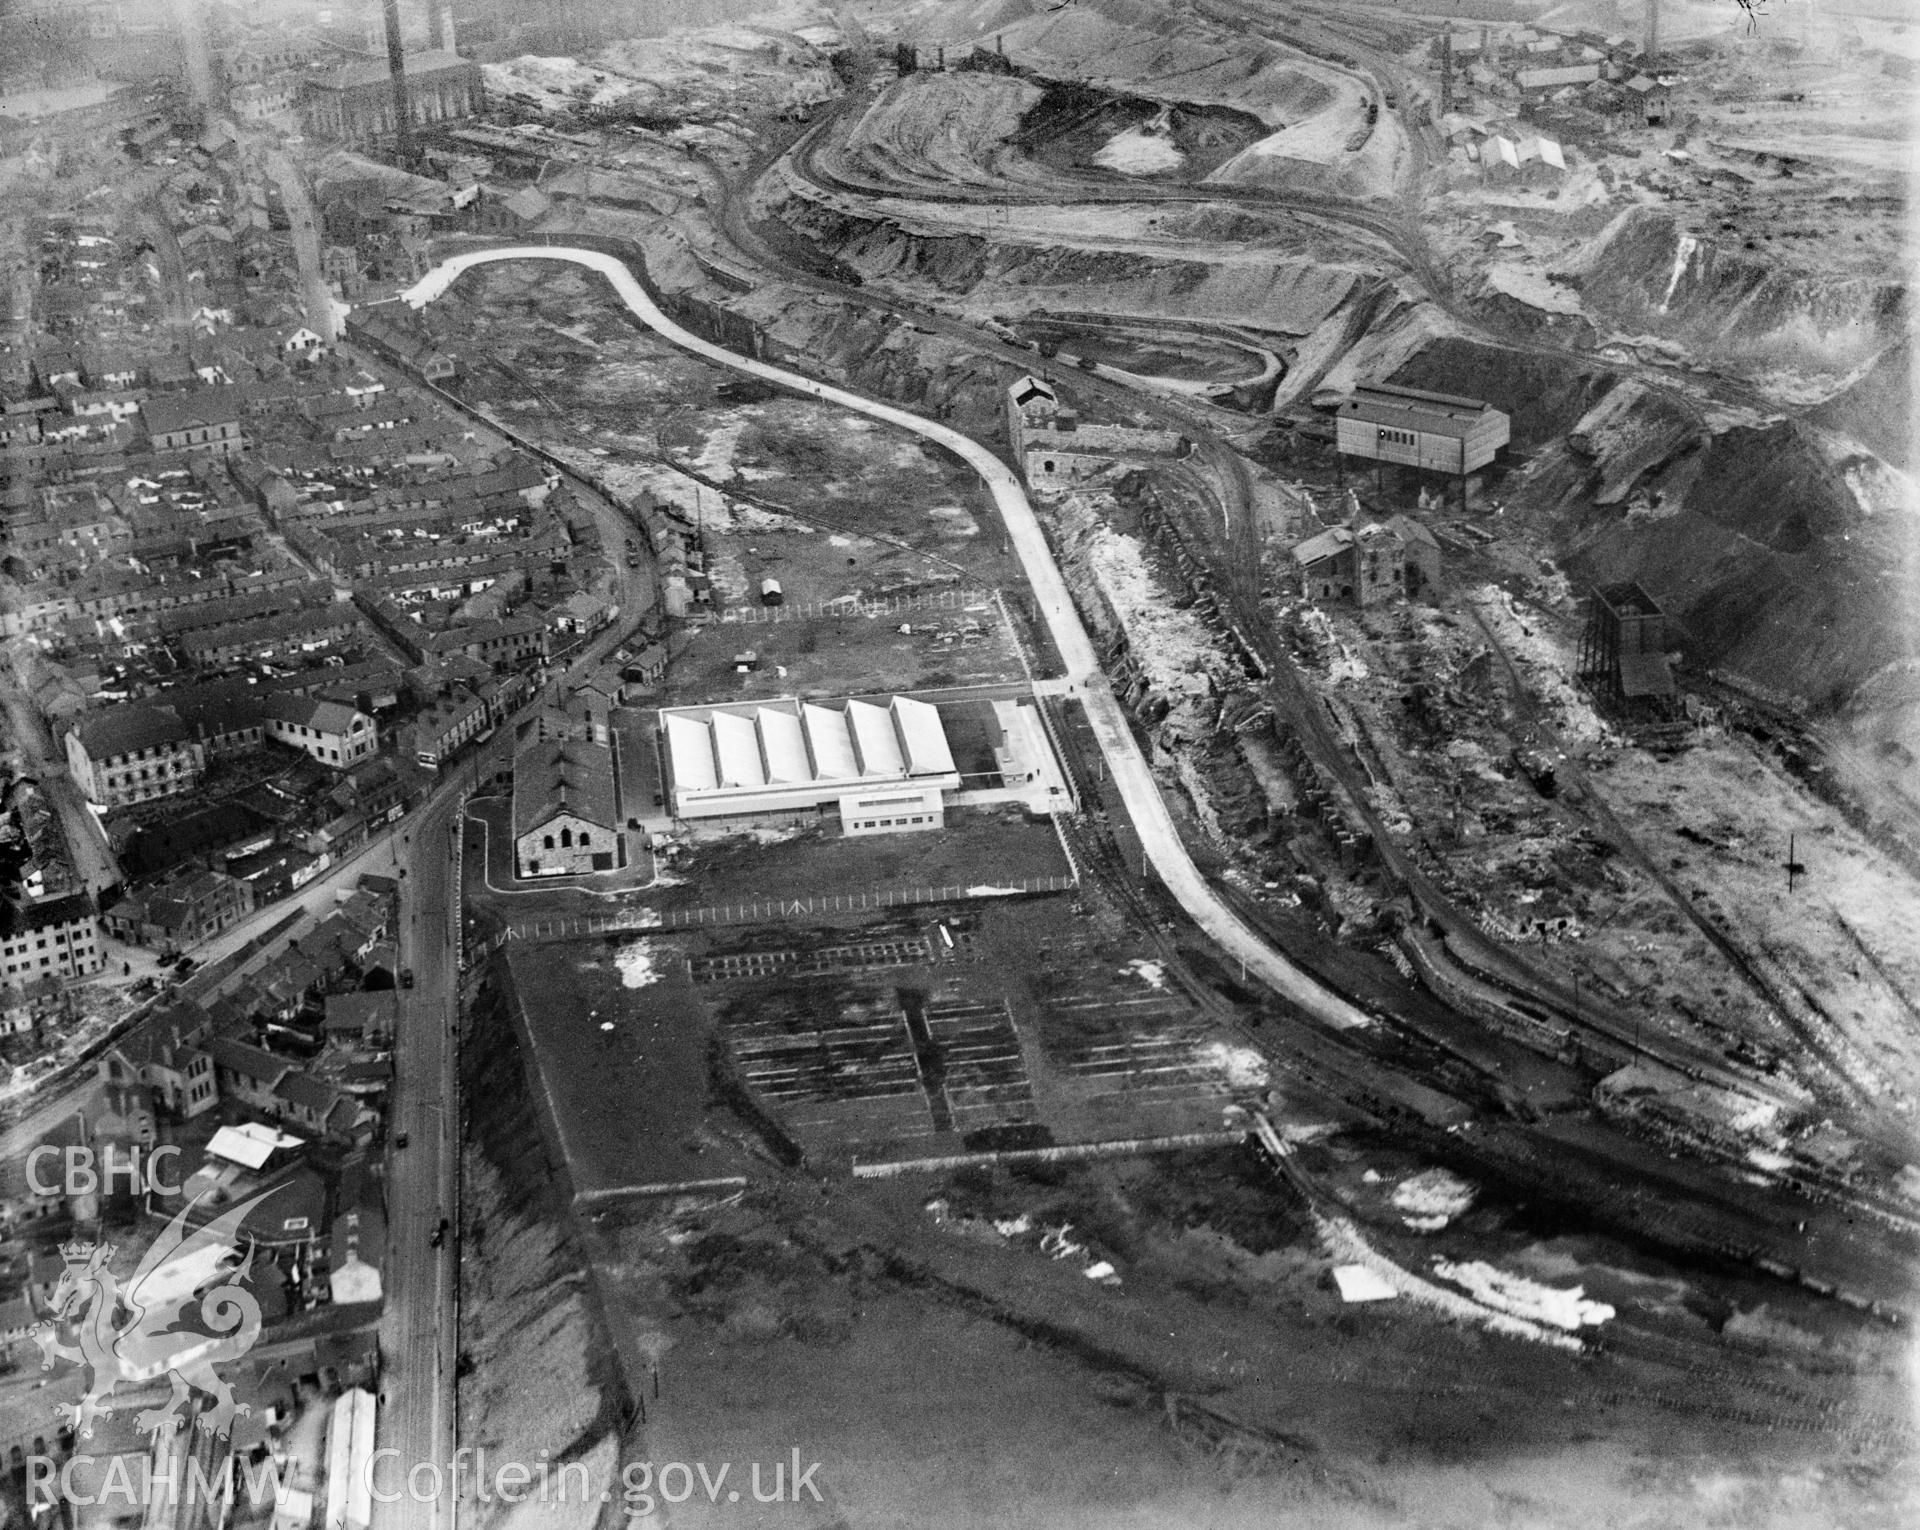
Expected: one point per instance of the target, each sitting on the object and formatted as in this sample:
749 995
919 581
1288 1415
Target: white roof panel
736 742
923 741
690 748
238 1147
786 750
832 747
873 737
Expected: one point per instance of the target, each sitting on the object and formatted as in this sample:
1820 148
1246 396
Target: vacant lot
615 1023
954 638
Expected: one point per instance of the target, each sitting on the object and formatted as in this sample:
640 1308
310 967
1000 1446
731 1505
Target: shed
770 593
1655 97
1435 432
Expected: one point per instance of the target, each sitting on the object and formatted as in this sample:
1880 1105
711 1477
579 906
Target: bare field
976 848
615 1023
954 640
948 1376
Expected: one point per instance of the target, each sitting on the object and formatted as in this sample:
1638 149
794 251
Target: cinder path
1084 679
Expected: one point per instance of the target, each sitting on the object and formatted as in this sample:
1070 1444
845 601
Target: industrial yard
1138 761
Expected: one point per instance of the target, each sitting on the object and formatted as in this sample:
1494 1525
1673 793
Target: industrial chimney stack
397 68
443 39
201 80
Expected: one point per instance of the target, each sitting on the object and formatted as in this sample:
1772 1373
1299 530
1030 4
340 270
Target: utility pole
1794 868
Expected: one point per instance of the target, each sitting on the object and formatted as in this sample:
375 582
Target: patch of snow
1878 487
1242 1067
1682 253
1543 664
1138 152
1526 285
716 452
1357 1283
1432 1198
1346 1243
957 522
635 960
1523 1298
1348 667
1174 648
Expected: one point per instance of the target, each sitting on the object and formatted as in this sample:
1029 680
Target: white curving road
1129 766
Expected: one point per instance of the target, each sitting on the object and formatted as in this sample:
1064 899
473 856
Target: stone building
355 103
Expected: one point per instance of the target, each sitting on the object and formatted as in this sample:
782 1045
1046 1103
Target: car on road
406 977
399 1140
439 1234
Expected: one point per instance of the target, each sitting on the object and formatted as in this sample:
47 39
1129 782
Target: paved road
418 1336
419 1331
304 220
28 732
1164 849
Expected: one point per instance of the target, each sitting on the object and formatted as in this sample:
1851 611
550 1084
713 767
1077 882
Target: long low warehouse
883 766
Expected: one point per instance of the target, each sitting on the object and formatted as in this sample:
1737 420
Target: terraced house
60 937
136 753
335 735
206 421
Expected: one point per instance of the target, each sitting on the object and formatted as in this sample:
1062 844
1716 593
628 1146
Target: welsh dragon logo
148 1343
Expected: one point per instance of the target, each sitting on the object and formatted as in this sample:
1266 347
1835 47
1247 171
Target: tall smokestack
194 53
1653 35
397 69
442 17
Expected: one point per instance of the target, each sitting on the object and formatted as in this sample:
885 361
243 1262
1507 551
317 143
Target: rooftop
128 729
791 742
563 776
374 71
205 407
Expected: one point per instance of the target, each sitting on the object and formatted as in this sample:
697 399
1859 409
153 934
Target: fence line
768 911
889 605
1132 1147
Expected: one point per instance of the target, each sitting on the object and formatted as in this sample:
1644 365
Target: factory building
1434 432
355 103
1055 450
1368 563
884 766
564 816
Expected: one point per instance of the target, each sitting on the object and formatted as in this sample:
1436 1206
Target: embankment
539 1369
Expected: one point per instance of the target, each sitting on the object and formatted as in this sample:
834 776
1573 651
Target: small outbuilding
1655 98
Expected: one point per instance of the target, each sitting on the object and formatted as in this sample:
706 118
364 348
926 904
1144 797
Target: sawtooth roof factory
884 765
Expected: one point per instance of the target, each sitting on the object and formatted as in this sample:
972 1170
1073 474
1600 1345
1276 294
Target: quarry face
1106 762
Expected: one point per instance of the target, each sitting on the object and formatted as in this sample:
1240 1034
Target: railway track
1230 555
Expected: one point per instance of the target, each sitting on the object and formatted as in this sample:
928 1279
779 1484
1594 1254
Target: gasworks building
883 765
